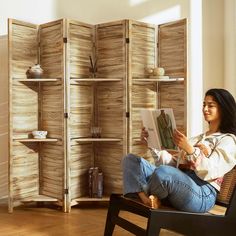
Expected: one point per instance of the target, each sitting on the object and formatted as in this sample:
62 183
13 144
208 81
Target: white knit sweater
214 156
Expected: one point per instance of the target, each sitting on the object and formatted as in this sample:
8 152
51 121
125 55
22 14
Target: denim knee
129 158
160 181
163 171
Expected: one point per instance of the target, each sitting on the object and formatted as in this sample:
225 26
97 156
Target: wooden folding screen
69 100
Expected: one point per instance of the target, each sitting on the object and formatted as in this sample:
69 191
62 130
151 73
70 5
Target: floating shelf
96 79
37 80
35 139
97 139
158 80
92 199
39 198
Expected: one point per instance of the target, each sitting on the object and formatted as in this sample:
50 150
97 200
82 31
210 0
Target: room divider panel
71 98
36 166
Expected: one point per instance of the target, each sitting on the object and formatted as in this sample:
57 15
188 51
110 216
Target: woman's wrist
190 150
194 155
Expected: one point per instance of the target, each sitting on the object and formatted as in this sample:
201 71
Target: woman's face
211 110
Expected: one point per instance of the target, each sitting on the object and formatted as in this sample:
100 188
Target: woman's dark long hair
228 109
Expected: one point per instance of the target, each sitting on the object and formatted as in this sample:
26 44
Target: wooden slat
52 97
110 50
80 47
172 48
81 110
23 47
142 48
109 99
108 159
51 49
36 140
80 161
23 111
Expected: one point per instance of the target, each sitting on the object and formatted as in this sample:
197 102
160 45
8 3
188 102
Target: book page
160 124
150 126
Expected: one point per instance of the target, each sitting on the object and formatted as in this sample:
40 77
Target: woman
206 159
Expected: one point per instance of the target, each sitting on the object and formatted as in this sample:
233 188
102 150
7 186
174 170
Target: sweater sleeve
216 160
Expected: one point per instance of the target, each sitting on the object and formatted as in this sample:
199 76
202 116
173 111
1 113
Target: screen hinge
64 40
66 115
127 40
66 191
127 114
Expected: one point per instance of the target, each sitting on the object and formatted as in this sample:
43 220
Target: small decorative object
159 71
95 182
93 68
96 132
150 70
39 133
34 72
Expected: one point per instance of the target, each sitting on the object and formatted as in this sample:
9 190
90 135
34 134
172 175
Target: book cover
160 124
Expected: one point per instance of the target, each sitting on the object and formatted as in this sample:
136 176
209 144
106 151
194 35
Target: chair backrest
227 187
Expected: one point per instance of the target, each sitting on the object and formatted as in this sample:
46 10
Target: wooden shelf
92 199
97 139
39 198
96 79
37 80
35 139
158 80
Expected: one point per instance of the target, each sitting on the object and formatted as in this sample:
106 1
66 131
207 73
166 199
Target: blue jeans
184 190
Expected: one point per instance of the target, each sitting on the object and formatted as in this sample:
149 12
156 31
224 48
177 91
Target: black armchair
186 223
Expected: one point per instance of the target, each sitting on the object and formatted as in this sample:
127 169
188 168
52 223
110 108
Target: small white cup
39 133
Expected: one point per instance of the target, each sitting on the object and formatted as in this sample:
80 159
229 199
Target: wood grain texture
172 48
68 106
111 50
80 48
86 219
52 49
142 48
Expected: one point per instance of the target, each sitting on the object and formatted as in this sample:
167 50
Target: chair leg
153 228
113 211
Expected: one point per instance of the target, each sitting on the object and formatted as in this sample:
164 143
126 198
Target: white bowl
39 133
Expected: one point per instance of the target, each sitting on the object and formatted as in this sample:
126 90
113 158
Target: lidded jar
34 72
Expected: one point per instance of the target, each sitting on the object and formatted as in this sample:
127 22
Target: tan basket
227 187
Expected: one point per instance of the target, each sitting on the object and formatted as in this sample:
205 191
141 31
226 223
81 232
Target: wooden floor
84 220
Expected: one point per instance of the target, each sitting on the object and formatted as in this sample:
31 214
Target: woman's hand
144 135
182 142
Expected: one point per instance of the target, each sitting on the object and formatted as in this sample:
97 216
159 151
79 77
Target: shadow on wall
3 117
149 11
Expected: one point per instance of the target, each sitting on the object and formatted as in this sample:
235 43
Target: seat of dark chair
218 221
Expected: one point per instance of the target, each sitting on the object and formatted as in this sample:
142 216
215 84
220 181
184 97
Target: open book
160 124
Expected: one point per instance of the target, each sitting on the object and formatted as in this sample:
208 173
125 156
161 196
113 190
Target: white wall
3 117
33 11
230 46
100 11
213 46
